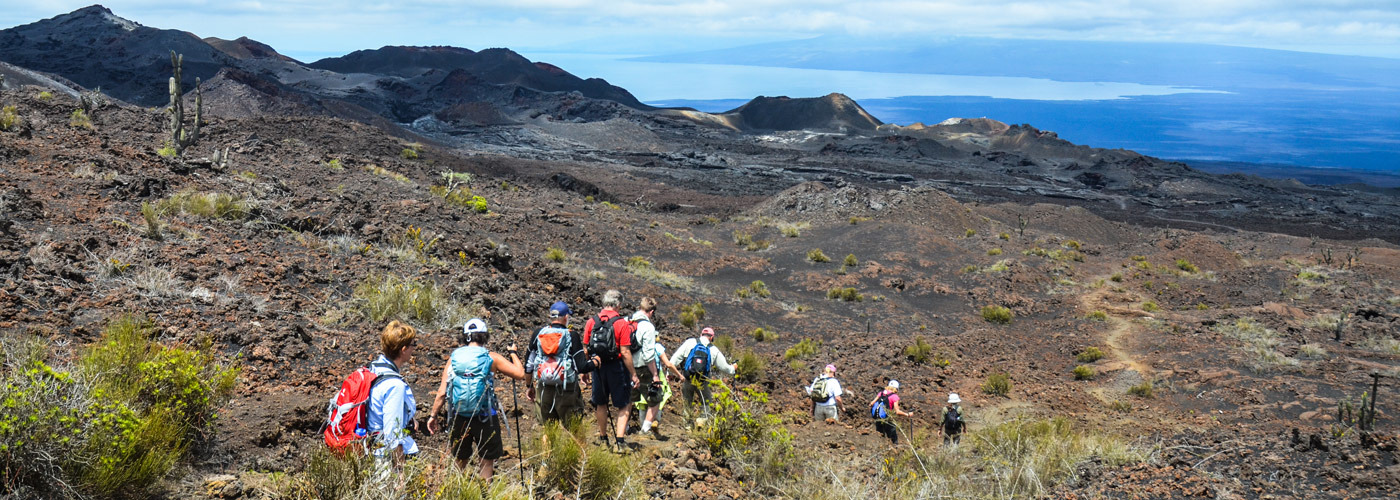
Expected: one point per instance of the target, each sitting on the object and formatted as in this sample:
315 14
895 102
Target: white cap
476 325
894 384
953 398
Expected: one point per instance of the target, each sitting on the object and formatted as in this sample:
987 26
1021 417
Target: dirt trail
1119 335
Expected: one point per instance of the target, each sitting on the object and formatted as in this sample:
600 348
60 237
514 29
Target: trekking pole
515 400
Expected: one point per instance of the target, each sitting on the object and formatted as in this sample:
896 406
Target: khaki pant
825 412
559 403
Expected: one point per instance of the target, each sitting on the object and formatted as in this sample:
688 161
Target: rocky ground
938 230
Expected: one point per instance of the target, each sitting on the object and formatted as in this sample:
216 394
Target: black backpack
952 420
602 341
636 345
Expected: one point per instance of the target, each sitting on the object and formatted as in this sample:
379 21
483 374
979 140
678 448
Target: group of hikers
620 358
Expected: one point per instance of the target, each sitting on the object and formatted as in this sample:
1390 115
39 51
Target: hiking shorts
558 403
825 412
611 381
476 436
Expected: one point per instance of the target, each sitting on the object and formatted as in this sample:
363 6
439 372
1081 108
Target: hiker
697 357
952 424
648 361
650 378
658 395
474 416
608 336
885 403
555 360
825 394
391 403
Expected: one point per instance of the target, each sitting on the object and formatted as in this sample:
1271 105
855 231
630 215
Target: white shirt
391 408
833 389
646 336
717 361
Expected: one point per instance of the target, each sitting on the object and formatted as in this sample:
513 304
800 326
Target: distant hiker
555 359
952 424
697 358
825 395
474 416
883 406
609 338
374 407
391 402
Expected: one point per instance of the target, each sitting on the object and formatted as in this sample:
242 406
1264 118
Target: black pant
887 428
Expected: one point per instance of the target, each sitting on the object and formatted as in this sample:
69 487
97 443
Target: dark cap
559 310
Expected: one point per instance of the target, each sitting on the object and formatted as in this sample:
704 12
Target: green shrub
997 314
791 231
1139 258
167 151
805 348
409 153
1083 372
1001 266
606 474
1097 316
610 205
725 343
1186 265
764 334
1072 245
1151 306
335 164
79 119
920 351
749 367
209 205
555 254
151 215
1201 306
386 173
1120 406
845 294
1116 278
1089 355
857 220
742 293
1004 236
816 255
746 437
994 252
759 288
45 95
998 384
1143 390
850 260
9 117
114 426
692 314
970 233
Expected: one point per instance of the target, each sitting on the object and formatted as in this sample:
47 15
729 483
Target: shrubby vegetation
998 384
209 205
803 349
749 366
692 314
112 425
997 314
748 439
816 255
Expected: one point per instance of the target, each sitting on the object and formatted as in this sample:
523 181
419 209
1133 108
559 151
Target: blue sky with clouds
309 29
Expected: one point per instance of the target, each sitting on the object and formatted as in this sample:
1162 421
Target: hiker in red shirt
615 377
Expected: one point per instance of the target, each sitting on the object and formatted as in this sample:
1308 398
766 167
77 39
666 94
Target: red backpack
347 417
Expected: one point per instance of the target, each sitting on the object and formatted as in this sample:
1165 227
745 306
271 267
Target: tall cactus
181 136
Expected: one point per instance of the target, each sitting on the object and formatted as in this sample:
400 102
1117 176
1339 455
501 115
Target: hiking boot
601 441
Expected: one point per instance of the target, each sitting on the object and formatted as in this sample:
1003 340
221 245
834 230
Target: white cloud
1365 26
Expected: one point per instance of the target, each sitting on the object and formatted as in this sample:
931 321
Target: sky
309 30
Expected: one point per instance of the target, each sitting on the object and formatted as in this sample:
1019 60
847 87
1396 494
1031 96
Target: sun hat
708 332
953 398
894 384
559 310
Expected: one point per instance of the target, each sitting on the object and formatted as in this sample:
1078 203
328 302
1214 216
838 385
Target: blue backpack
473 388
881 408
697 363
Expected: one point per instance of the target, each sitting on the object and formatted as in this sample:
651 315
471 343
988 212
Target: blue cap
559 310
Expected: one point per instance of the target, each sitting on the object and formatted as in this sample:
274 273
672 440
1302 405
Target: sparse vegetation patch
997 314
998 384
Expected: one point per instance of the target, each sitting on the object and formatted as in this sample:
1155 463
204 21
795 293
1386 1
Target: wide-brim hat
953 398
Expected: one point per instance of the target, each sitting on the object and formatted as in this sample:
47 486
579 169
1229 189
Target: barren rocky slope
278 286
